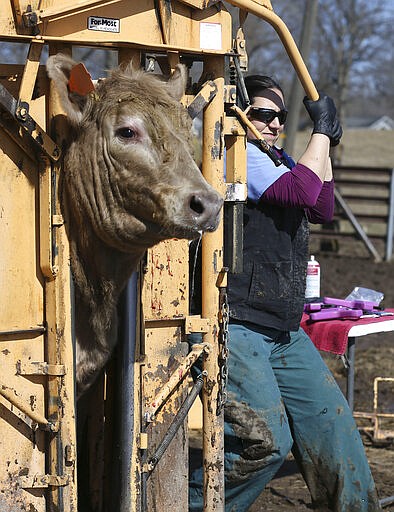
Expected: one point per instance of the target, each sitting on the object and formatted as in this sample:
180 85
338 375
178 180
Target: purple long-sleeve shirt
301 187
298 187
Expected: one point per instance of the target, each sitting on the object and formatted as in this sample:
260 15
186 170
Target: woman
281 395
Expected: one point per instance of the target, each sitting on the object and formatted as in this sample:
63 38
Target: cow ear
73 84
177 82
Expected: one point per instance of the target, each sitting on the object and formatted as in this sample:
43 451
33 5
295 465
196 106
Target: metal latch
43 481
195 323
40 368
201 100
20 114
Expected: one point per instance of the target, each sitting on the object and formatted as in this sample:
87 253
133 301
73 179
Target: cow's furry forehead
146 95
129 83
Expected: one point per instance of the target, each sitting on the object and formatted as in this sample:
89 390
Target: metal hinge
142 441
30 128
40 368
230 94
201 100
195 323
43 481
57 220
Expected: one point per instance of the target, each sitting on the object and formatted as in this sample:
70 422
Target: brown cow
129 182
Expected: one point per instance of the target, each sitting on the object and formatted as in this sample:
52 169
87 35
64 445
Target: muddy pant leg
327 444
257 433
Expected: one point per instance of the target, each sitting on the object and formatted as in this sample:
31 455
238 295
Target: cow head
129 170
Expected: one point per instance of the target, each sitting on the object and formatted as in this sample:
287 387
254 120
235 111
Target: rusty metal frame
53 268
176 377
217 127
20 118
11 395
378 434
264 11
212 265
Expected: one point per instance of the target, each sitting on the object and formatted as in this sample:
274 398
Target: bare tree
266 53
349 40
351 55
296 92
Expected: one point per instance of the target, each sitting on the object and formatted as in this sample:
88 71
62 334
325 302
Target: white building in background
383 123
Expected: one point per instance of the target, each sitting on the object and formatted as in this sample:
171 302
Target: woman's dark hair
255 84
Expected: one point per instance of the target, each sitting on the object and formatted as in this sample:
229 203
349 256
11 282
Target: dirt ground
340 273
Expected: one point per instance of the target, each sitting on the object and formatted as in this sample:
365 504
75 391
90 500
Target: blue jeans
282 397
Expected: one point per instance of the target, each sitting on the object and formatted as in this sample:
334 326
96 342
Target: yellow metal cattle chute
131 462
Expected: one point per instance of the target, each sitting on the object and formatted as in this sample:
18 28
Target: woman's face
271 99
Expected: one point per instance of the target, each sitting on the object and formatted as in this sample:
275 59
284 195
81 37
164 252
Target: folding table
339 337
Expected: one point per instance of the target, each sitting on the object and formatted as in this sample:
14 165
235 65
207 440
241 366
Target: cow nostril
196 205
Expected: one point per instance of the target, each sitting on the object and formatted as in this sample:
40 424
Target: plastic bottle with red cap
312 279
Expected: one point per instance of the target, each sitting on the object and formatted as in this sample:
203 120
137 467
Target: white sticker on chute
236 192
210 36
103 24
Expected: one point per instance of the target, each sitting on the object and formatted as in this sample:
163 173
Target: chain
223 350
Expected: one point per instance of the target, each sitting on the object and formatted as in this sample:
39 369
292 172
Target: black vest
270 292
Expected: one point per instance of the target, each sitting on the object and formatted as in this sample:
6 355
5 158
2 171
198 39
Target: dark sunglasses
267 115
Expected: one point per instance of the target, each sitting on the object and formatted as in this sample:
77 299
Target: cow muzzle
204 210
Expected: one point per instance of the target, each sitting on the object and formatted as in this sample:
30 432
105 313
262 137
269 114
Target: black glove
336 133
324 116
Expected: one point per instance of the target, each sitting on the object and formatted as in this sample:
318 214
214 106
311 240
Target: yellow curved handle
287 39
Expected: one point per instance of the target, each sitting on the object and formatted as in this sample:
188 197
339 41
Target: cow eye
126 133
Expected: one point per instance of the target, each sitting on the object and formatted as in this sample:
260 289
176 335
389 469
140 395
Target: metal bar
36 134
351 352
43 481
176 423
287 39
390 222
20 137
45 200
30 330
357 225
337 234
241 82
163 17
121 44
11 395
236 193
30 71
371 415
264 145
7 101
53 355
17 13
131 452
55 350
127 392
201 100
233 240
177 376
40 368
375 417
66 9
376 382
59 346
212 263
